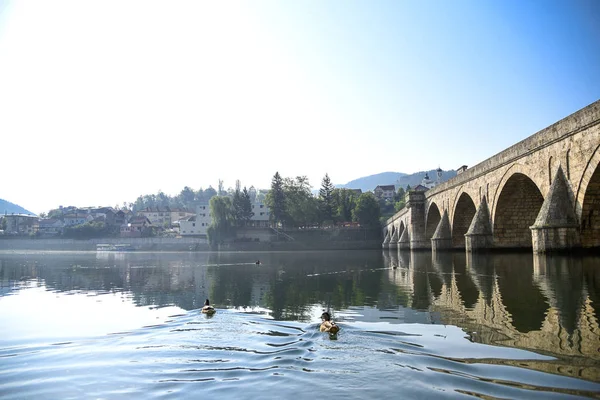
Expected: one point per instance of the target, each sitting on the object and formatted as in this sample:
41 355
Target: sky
104 101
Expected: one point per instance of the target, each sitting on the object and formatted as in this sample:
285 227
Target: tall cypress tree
238 207
246 206
276 199
326 199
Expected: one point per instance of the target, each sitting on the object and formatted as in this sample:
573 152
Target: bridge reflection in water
547 304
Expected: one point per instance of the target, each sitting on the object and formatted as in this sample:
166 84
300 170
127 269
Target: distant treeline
188 198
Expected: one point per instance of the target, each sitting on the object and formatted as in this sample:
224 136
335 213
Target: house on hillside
138 226
122 216
77 218
179 214
158 216
385 192
51 227
420 188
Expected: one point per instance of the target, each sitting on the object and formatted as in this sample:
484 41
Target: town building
158 216
21 224
51 227
386 192
198 225
138 226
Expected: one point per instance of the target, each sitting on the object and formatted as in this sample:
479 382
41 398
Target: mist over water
122 325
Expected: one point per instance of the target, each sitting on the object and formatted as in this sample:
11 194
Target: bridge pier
394 240
416 207
479 236
556 226
404 242
442 238
386 241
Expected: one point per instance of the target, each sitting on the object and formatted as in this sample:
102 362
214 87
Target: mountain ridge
399 179
6 207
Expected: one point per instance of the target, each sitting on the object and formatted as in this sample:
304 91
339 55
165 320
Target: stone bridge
542 193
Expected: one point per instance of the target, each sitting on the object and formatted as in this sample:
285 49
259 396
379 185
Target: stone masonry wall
573 143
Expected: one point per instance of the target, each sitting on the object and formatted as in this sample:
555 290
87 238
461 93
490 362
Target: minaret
439 175
426 182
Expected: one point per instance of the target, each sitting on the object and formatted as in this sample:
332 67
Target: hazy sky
103 101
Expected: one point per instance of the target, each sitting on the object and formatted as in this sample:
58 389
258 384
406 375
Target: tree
186 197
242 208
399 198
209 193
367 212
276 199
252 194
400 194
326 200
344 201
301 207
246 213
222 226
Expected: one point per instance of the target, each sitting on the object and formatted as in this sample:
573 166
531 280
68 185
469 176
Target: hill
399 179
6 207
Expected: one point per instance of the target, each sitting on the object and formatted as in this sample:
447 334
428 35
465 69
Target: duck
208 309
328 325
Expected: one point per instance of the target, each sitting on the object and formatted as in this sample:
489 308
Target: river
413 325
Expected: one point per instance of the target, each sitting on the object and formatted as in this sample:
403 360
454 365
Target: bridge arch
588 202
464 211
517 204
432 220
513 169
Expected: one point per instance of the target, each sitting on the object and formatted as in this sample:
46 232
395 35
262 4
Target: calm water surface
109 325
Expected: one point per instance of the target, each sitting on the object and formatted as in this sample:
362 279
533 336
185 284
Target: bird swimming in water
328 325
257 262
208 309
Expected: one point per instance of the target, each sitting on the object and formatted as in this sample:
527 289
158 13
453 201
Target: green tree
326 200
275 199
399 198
236 202
246 213
301 207
242 207
344 201
222 226
367 211
400 194
187 196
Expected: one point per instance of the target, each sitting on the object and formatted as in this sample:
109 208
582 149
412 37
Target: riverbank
184 244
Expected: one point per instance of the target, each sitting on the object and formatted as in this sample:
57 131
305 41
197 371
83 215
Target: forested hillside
6 207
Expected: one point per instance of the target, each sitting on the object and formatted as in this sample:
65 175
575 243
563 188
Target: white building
198 224
385 192
429 183
261 215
